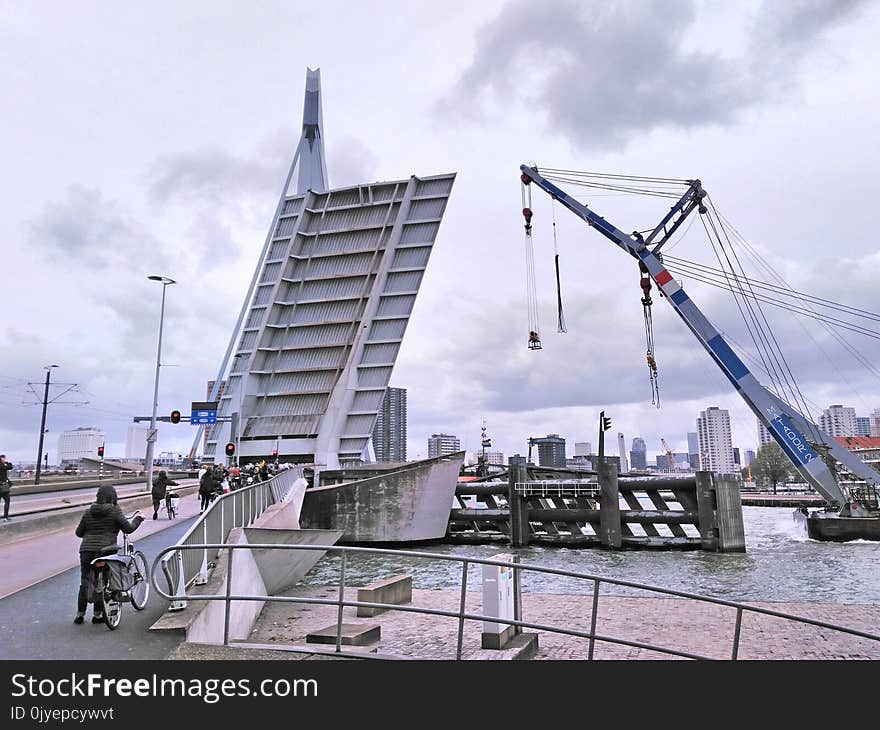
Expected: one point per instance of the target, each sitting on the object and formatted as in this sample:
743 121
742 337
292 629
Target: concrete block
352 634
397 590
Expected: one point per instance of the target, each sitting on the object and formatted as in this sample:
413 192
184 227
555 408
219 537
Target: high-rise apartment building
749 457
389 433
764 436
838 420
551 450
716 446
638 456
443 443
79 443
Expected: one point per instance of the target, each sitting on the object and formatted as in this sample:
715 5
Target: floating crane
785 423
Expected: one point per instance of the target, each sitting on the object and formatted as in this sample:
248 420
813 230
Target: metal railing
550 487
183 567
463 615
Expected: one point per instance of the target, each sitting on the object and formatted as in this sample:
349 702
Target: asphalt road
37 623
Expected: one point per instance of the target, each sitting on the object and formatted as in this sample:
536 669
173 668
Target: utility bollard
609 513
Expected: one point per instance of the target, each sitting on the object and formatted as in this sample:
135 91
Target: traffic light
101 451
604 421
274 452
175 416
230 449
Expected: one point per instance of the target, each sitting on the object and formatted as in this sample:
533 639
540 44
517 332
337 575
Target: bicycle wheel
105 604
112 611
140 591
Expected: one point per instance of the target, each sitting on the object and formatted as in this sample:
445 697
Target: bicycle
171 501
117 577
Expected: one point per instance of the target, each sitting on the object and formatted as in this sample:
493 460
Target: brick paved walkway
681 624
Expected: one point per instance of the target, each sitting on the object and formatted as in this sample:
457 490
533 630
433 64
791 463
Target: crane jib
797 447
777 417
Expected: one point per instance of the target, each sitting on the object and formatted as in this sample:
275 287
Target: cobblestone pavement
684 625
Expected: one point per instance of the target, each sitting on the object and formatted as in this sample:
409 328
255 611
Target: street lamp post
43 425
151 434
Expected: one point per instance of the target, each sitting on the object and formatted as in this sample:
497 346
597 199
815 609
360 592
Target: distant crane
671 463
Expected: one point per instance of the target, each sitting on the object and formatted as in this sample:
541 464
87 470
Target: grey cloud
215 176
90 232
351 163
601 73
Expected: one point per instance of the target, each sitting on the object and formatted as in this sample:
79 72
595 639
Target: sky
153 138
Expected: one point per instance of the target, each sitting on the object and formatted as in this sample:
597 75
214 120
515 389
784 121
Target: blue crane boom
785 424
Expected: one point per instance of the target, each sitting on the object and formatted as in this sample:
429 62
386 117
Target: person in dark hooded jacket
160 487
208 485
98 528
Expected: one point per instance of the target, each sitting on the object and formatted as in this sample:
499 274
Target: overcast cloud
155 139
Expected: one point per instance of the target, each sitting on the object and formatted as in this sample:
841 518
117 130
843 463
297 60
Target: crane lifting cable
531 284
645 283
560 316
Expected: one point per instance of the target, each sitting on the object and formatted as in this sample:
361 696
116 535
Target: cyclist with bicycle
160 491
98 528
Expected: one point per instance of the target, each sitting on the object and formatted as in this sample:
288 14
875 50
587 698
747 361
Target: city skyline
193 203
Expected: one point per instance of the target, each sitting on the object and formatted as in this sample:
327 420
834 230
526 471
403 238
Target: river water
780 564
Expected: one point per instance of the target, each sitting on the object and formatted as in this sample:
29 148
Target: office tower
638 457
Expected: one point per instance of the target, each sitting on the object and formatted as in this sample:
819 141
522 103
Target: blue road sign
203 417
203 412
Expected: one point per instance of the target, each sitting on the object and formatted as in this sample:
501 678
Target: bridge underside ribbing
327 318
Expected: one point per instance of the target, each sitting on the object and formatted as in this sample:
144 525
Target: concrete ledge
520 647
352 634
397 590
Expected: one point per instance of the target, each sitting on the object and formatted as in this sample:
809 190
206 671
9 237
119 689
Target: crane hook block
527 214
534 341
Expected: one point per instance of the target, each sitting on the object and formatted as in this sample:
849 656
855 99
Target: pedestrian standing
98 528
5 485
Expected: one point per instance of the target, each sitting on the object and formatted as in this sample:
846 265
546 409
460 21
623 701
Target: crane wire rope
834 332
560 316
534 341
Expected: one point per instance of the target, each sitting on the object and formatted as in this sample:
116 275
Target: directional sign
203 417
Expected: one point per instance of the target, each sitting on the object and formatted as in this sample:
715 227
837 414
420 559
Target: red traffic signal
101 451
274 452
175 416
230 449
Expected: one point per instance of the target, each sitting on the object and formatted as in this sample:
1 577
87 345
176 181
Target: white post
203 570
179 602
